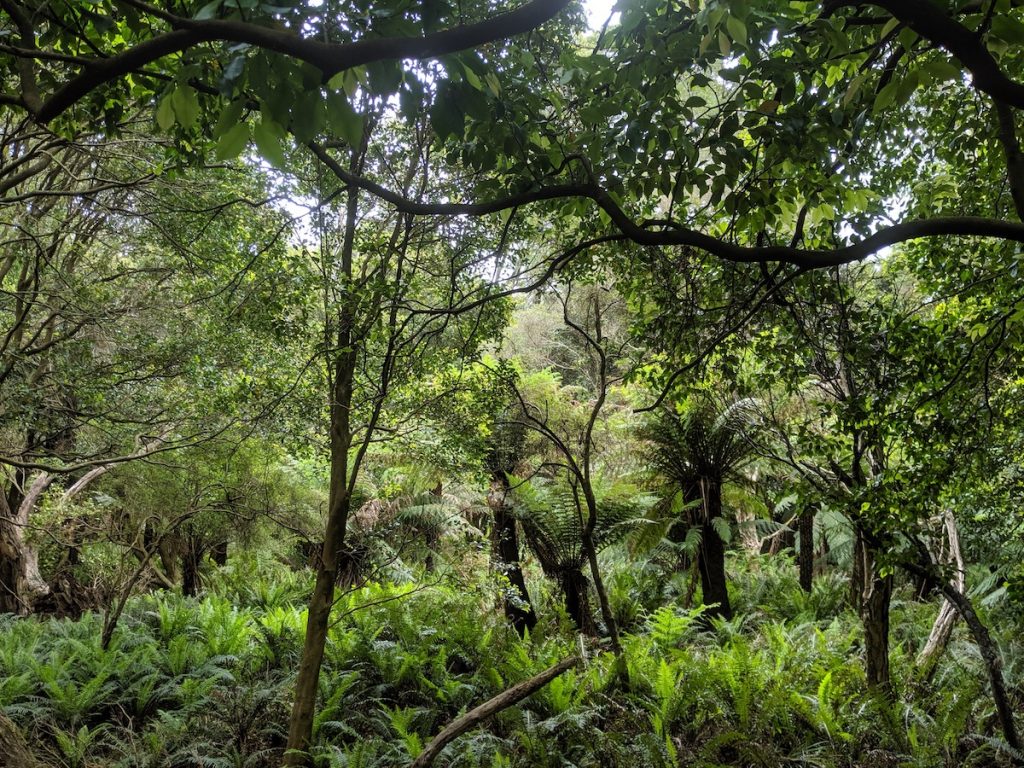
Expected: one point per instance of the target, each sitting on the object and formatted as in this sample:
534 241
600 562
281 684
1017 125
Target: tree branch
329 58
930 21
947 226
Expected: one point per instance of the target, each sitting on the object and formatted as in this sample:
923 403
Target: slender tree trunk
993 664
300 726
590 548
611 626
857 585
505 556
989 654
712 554
805 557
822 558
477 715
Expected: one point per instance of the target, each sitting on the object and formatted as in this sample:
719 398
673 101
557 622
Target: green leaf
940 70
886 96
889 26
208 11
853 89
268 136
472 78
737 29
229 118
906 88
724 45
232 142
1007 28
165 114
185 102
343 120
447 117
493 84
384 77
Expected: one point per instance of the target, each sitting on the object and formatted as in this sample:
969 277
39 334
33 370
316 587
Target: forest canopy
389 382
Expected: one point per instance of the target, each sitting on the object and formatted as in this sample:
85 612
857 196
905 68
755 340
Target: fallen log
477 715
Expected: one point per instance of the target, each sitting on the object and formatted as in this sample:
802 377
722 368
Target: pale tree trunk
21 584
942 629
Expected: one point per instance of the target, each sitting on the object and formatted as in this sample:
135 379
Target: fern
75 746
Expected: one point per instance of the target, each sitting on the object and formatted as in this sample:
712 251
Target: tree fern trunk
576 591
505 557
712 554
805 557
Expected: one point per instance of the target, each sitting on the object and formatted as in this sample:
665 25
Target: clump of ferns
553 519
384 533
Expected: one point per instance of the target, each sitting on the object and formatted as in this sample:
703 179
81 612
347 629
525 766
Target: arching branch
646 234
329 58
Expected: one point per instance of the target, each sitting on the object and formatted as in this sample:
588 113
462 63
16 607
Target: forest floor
207 681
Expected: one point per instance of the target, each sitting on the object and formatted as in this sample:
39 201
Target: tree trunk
190 557
477 715
989 654
942 629
805 557
611 626
300 725
857 583
14 748
874 612
576 591
876 633
505 557
712 554
20 581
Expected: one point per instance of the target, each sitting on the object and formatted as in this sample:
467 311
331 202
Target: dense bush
191 682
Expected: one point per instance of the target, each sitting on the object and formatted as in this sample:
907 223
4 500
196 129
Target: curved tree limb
986 646
807 258
329 58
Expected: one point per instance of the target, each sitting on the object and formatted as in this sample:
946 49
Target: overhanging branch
807 258
329 58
